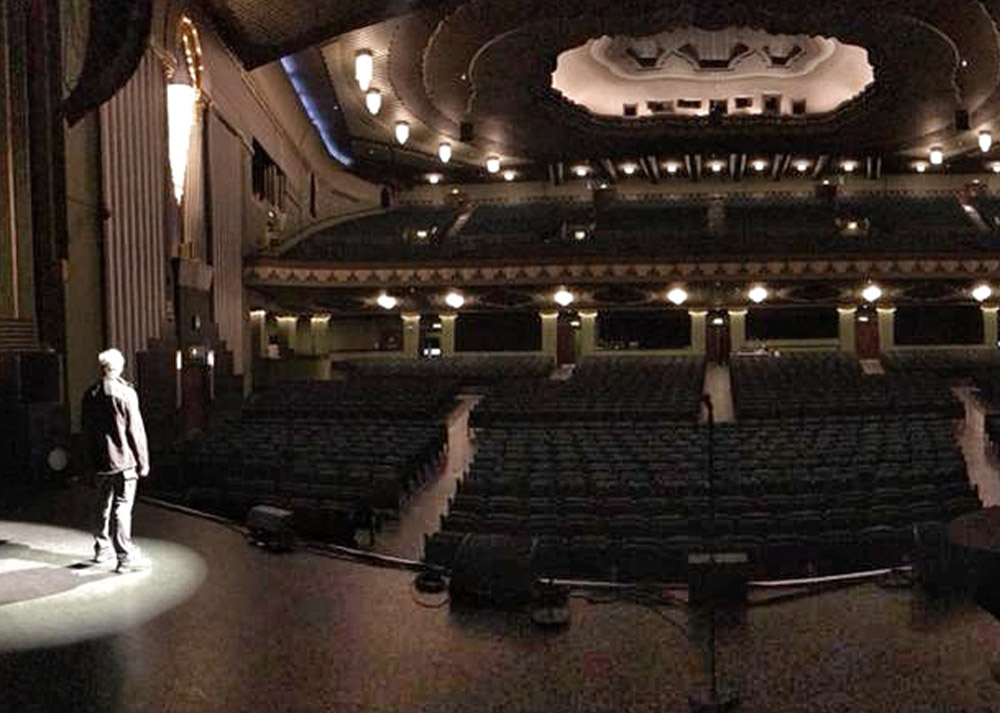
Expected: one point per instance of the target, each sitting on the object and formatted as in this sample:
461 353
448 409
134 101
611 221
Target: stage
219 625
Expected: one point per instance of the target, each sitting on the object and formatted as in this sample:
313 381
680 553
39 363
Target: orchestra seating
321 447
468 370
630 501
604 388
830 383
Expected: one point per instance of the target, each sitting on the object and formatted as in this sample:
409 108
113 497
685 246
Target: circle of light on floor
51 594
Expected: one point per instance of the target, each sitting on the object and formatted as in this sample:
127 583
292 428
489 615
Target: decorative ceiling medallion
694 72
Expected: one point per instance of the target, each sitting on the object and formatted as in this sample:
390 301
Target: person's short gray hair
111 360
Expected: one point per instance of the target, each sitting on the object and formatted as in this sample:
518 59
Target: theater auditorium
502 355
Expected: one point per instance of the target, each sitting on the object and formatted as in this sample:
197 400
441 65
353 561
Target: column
411 334
845 328
549 333
258 333
448 334
737 328
286 331
588 332
699 324
321 334
886 329
304 343
990 324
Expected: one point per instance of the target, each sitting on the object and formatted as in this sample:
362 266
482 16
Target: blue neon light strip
314 109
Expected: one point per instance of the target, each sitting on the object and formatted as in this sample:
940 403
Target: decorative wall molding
277 273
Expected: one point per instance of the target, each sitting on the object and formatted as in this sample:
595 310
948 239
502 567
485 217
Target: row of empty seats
465 369
677 226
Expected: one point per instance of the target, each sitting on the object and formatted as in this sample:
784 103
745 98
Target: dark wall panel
939 325
502 332
792 323
635 329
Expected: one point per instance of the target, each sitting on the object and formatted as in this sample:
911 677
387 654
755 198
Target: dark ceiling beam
609 169
259 35
736 163
654 168
776 163
820 166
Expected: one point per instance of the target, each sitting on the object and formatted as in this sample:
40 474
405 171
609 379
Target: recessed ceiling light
678 296
871 293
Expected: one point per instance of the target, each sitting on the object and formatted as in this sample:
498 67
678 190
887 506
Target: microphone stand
730 703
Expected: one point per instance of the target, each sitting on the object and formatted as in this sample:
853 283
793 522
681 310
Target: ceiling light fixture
373 100
757 294
579 234
871 293
985 140
509 174
364 66
920 167
386 301
849 166
982 293
671 167
563 297
444 152
678 296
493 164
628 169
936 156
996 167
454 300
802 166
402 131
759 165
581 171
433 178
716 166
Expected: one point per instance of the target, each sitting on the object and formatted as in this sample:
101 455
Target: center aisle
422 514
718 385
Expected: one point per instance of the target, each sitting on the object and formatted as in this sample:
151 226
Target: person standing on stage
116 441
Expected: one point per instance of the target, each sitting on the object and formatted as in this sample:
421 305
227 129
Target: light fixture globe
581 171
628 169
493 164
444 152
364 69
433 178
386 301
936 156
509 175
982 292
454 300
716 166
373 101
871 293
402 132
802 166
678 296
563 297
757 294
759 165
672 167
849 166
985 140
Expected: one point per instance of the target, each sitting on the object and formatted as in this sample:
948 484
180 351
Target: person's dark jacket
113 428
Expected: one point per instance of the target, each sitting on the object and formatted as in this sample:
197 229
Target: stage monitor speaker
35 444
492 570
30 377
718 576
961 120
271 527
466 132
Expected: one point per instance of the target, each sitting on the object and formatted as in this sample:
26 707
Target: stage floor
219 625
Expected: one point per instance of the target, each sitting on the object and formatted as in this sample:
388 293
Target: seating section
830 383
679 226
406 232
604 388
323 449
630 501
470 370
